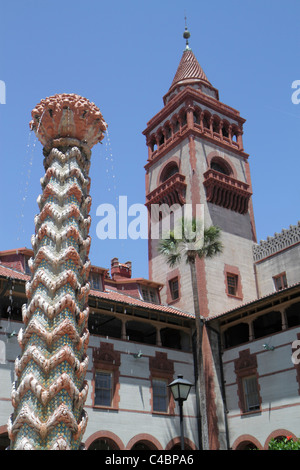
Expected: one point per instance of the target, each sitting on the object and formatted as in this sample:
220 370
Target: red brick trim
228 269
3 429
244 366
175 273
188 444
223 159
211 407
250 208
246 439
113 439
147 439
162 368
169 162
106 359
279 433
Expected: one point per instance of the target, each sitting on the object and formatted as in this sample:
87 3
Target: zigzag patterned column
50 391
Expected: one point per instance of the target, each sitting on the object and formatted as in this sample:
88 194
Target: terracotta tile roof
189 69
128 300
106 295
253 302
13 273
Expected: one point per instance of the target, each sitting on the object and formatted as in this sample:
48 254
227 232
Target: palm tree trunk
200 383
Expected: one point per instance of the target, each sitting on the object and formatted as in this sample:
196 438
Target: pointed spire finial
186 36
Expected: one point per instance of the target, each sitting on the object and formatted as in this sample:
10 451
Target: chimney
119 270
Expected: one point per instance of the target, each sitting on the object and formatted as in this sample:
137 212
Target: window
106 373
160 394
149 295
95 281
280 281
232 283
161 374
251 395
169 171
174 288
248 388
103 388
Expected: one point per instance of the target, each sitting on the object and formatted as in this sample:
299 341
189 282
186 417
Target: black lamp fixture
180 389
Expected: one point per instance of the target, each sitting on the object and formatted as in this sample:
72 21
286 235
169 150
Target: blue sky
123 56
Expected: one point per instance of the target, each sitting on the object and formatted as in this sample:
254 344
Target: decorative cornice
280 241
201 98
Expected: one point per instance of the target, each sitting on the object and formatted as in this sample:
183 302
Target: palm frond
194 241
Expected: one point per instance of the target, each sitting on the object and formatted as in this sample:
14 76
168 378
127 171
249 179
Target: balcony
227 192
171 191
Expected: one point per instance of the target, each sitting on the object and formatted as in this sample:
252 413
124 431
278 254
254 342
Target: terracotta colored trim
279 433
162 368
245 366
175 160
200 98
176 441
234 270
149 440
175 273
186 133
250 208
216 155
108 360
108 435
211 407
3 429
195 197
246 438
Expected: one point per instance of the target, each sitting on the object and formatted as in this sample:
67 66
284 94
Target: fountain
50 390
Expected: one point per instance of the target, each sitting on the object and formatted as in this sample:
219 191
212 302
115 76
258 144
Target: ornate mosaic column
50 391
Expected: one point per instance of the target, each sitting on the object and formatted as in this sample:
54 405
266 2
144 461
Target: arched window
225 130
220 165
206 119
196 117
168 132
216 125
247 445
161 139
169 171
176 126
103 444
183 119
153 144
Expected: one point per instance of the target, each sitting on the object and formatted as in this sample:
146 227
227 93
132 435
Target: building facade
142 331
137 348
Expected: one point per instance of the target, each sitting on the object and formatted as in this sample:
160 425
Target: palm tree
194 241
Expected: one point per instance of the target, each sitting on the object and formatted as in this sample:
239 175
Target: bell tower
196 157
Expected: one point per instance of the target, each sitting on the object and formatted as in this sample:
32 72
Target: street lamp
180 389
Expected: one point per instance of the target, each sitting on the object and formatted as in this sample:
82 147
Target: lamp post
180 389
